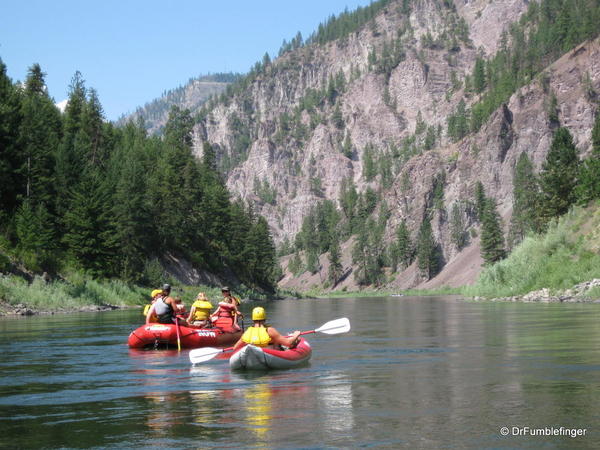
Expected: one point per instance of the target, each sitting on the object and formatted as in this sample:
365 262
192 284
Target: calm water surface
429 372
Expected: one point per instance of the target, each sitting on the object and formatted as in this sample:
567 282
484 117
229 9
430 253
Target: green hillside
567 254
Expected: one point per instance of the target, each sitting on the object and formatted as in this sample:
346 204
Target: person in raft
165 308
227 313
200 311
154 295
180 310
262 335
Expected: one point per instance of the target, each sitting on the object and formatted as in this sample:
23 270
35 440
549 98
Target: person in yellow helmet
262 335
154 296
200 311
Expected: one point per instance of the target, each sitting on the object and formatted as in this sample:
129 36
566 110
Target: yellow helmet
155 292
259 313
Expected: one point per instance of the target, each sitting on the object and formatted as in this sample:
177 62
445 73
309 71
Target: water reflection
335 399
258 406
416 373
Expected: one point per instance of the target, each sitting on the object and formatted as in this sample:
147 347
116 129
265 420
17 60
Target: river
414 372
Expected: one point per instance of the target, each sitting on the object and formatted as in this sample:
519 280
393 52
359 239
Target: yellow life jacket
202 311
257 336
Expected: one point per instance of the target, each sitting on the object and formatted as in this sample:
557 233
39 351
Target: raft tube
251 357
158 335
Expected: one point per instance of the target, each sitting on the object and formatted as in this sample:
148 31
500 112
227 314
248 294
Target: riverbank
20 309
19 296
78 293
586 292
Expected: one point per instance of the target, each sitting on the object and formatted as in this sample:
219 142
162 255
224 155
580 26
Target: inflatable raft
251 357
155 335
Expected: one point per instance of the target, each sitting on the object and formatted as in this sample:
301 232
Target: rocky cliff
314 116
190 96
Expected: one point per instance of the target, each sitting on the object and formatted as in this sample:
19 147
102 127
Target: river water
428 372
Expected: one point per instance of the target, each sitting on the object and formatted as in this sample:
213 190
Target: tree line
77 192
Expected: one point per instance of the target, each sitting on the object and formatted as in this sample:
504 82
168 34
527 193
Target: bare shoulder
272 332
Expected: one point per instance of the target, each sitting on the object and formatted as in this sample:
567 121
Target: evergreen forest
78 193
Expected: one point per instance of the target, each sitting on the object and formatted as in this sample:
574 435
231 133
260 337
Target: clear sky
131 51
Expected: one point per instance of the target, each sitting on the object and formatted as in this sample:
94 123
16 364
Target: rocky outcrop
580 293
285 131
191 96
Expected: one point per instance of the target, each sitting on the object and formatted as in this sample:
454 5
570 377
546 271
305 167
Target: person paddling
262 335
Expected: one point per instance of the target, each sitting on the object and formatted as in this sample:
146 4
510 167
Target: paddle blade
200 355
335 326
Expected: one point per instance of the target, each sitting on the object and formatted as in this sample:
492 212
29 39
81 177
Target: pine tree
458 236
89 235
480 200
168 193
337 119
312 261
11 157
479 76
335 265
348 199
238 227
262 258
131 216
39 136
369 170
401 251
367 253
347 149
492 238
559 175
295 264
35 235
525 217
427 253
589 184
72 151
92 119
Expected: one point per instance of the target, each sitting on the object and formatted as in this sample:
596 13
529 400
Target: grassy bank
79 291
567 254
76 293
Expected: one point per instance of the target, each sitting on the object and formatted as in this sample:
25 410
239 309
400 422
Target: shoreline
577 294
23 310
586 292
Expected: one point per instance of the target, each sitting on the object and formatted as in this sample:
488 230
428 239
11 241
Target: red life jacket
225 315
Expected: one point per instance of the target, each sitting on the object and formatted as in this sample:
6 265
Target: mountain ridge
373 108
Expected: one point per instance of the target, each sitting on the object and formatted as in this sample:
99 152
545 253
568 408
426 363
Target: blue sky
132 51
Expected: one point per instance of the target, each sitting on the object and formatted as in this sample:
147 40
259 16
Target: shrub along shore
81 293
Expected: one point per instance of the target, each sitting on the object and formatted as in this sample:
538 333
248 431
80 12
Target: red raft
155 335
251 357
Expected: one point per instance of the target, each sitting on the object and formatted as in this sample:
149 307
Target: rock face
289 131
191 96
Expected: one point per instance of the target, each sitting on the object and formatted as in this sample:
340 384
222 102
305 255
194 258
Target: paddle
178 338
337 326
